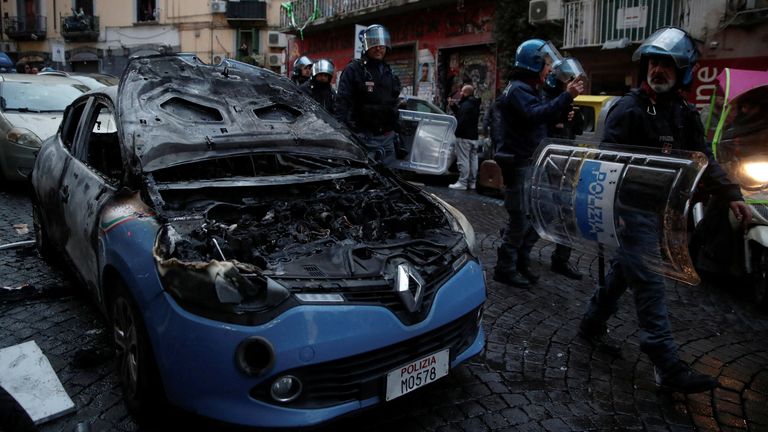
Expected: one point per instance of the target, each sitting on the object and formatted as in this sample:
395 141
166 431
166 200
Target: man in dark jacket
519 124
368 94
467 112
319 86
567 125
655 115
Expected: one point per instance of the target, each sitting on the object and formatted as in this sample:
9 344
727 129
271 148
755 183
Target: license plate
419 373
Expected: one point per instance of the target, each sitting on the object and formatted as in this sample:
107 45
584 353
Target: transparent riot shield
615 200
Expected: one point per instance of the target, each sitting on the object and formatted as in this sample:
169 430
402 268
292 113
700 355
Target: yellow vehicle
594 109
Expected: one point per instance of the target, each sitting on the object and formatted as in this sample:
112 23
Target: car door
89 181
427 142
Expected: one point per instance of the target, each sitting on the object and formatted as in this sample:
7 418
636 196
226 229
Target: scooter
738 121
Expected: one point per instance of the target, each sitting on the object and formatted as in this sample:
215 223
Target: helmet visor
302 61
377 36
567 70
671 42
322 67
550 51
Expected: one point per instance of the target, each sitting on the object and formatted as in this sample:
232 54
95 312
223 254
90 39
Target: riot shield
615 200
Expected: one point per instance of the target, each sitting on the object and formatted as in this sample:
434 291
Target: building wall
451 44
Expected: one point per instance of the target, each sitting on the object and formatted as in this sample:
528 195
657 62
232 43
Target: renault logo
410 287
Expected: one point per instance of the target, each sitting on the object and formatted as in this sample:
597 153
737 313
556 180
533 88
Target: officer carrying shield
520 119
368 94
302 70
655 115
319 86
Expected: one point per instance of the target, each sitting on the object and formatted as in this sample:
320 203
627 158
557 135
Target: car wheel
136 366
760 276
42 241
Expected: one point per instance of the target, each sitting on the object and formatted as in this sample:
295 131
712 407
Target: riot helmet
564 71
322 66
531 55
674 43
300 64
376 35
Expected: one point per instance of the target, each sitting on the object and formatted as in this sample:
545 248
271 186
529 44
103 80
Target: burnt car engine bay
312 224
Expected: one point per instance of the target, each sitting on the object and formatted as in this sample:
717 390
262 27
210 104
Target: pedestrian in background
567 125
302 70
657 115
519 124
368 96
319 86
467 111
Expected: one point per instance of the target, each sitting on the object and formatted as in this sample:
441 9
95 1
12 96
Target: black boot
511 278
598 337
682 378
524 268
566 269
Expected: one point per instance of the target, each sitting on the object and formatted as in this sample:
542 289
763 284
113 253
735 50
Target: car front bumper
197 356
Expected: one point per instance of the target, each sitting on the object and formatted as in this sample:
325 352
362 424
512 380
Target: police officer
367 96
566 125
655 114
302 70
519 124
319 86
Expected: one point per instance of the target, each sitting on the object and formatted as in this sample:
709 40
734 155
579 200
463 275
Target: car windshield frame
31 96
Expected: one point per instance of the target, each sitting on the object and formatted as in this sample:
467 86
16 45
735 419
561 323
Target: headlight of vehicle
754 174
24 137
215 289
460 223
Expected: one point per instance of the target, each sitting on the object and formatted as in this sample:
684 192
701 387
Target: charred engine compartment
338 226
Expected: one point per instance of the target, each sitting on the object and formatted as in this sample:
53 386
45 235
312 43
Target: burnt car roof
172 111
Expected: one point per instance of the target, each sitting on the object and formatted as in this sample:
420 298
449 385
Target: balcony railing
302 10
80 27
25 27
247 10
617 22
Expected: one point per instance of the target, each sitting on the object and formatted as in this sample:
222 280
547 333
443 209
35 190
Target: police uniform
323 93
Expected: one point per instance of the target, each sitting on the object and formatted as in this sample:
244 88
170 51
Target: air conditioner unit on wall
275 59
218 7
276 40
540 11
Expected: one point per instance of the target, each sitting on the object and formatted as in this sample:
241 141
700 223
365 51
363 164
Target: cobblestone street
534 375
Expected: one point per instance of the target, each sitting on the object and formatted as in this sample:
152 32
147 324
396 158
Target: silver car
31 108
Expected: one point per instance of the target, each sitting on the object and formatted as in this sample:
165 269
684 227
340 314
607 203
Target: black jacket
673 124
520 121
323 93
367 97
561 127
467 116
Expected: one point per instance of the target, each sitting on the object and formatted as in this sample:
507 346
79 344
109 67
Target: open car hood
173 111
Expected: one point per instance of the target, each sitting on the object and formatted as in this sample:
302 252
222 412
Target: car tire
42 241
759 276
13 418
135 359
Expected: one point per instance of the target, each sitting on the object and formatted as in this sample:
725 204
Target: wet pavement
535 373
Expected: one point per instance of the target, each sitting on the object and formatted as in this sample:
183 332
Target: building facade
100 35
437 44
603 34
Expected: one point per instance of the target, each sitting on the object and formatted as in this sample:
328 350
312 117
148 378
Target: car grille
364 375
390 299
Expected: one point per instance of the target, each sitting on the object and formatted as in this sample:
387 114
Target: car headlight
754 175
24 137
460 223
216 289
